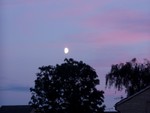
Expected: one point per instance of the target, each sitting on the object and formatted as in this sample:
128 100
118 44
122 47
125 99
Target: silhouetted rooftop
25 109
15 109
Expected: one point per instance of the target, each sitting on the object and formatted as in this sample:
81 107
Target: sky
34 33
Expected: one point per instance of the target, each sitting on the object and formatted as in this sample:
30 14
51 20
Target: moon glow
66 50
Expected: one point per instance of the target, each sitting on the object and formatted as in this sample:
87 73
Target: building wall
137 104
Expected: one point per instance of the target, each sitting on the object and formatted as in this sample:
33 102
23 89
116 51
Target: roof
15 109
25 109
128 98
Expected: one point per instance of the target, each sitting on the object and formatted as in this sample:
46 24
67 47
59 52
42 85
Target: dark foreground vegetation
67 88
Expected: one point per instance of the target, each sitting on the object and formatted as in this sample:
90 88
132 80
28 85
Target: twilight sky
34 33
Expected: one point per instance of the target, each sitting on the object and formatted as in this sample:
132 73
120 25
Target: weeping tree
132 76
67 88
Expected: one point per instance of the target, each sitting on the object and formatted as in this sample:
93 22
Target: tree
132 76
67 88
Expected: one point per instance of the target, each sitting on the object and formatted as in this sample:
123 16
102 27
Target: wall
137 104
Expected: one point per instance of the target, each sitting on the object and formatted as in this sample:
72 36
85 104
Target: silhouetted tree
67 88
132 76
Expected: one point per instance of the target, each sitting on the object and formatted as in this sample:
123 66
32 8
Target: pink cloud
115 28
60 9
78 9
117 37
121 38
119 45
118 19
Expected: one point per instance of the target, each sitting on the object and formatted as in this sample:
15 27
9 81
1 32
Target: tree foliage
67 88
132 75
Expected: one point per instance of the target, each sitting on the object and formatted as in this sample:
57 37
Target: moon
66 50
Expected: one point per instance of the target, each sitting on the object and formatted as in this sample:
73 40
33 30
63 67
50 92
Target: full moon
66 50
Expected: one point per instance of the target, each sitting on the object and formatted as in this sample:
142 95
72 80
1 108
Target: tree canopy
132 76
67 88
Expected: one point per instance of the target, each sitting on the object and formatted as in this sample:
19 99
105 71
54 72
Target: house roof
128 98
25 109
15 109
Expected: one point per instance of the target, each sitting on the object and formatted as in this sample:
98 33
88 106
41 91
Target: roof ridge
128 98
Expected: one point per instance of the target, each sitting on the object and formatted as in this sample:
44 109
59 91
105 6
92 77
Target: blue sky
100 33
